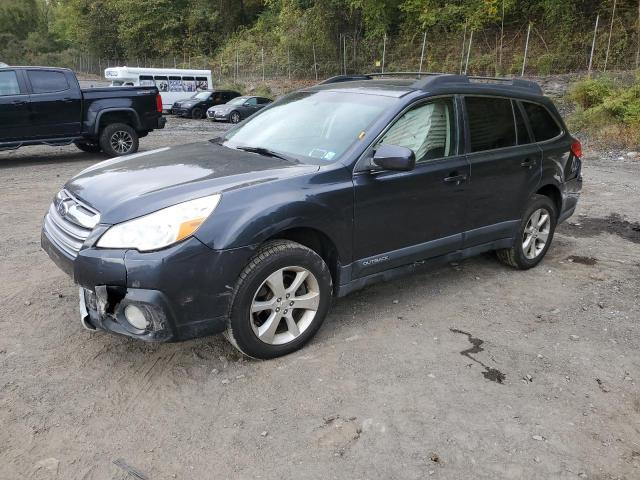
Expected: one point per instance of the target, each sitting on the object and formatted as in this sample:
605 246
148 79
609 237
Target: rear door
14 107
402 217
56 104
505 167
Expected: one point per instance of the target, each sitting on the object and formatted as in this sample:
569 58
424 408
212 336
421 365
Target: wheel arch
317 241
553 192
117 115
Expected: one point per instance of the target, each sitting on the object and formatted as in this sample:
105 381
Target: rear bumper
185 290
570 196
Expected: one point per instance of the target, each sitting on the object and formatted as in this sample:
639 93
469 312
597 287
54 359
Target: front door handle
19 102
454 177
67 100
528 163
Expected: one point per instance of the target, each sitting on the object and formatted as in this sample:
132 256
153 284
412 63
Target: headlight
162 228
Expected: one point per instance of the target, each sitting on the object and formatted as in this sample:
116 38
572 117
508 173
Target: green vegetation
290 32
607 110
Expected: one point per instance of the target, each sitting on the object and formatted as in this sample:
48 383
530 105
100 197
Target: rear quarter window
543 125
491 123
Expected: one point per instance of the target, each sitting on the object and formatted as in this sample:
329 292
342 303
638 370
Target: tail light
576 148
159 104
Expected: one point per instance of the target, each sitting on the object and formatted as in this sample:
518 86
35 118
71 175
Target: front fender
322 201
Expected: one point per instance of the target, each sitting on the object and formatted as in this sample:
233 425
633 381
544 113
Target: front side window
47 82
542 123
252 101
9 83
428 130
315 127
491 123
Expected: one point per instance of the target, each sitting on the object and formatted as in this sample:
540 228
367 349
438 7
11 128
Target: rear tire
88 147
534 235
280 301
119 139
196 113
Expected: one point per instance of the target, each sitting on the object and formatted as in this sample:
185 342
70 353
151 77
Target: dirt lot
471 371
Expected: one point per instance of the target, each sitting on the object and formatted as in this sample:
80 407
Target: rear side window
47 82
542 123
263 101
9 83
491 123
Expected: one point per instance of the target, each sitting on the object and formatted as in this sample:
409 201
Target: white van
174 84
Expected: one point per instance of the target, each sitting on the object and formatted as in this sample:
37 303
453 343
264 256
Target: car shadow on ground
17 160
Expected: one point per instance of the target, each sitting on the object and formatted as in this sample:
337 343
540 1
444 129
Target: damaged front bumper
183 291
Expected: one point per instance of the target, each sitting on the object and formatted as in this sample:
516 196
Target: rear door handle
455 178
19 102
528 163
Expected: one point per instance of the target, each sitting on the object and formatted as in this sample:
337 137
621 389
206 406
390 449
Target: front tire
119 139
280 301
534 235
196 113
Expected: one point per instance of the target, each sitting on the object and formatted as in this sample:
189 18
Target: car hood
128 187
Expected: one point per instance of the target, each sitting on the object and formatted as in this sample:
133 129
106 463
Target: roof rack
436 79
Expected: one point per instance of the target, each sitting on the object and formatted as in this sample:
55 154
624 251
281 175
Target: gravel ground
470 371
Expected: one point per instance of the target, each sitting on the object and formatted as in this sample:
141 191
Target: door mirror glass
394 157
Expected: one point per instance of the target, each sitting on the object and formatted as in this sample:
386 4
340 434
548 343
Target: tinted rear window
47 82
542 123
491 123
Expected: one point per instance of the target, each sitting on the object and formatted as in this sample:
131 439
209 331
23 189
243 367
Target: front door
403 217
506 167
56 105
14 107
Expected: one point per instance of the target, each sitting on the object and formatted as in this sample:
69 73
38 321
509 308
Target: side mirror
394 157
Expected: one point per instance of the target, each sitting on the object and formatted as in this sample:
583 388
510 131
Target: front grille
69 222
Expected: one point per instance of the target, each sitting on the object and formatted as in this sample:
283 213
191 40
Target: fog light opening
136 317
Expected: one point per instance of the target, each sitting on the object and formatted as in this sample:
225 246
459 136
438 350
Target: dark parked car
41 105
326 191
196 106
237 109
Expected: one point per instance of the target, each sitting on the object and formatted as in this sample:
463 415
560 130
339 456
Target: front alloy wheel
285 305
234 117
280 300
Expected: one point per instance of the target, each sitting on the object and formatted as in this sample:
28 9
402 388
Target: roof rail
438 79
345 78
445 79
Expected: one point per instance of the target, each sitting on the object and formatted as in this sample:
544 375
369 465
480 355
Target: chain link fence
512 50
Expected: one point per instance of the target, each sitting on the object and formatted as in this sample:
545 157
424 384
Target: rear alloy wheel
534 235
119 139
196 113
281 300
234 117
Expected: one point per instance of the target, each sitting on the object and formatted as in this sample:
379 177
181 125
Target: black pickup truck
42 105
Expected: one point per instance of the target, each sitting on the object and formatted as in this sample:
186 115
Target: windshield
202 95
314 127
237 101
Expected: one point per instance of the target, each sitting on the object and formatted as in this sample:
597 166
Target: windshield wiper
268 153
